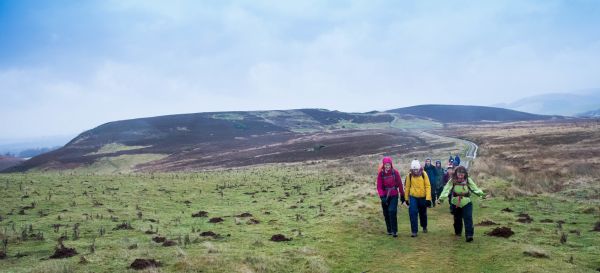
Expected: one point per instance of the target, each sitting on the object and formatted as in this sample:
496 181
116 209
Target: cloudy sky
68 66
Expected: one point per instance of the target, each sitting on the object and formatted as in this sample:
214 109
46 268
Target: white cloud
155 58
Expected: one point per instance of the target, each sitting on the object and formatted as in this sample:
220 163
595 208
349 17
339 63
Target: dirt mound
575 231
209 234
253 221
547 221
63 252
140 264
535 254
507 210
200 214
596 227
487 223
2 255
169 243
524 218
123 226
245 214
216 220
504 232
159 239
280 238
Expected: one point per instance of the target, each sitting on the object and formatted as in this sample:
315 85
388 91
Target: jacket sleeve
474 188
427 187
407 187
399 183
380 190
446 191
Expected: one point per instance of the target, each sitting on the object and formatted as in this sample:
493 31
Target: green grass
118 164
421 124
228 116
116 147
348 124
336 226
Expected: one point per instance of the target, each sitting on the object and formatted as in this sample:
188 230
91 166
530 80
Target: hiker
451 160
461 186
431 173
389 187
439 177
417 192
456 162
447 177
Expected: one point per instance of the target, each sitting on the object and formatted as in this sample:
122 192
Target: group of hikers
423 187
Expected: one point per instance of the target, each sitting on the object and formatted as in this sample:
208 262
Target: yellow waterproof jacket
417 186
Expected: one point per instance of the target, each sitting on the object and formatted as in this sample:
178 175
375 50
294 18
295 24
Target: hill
465 113
203 140
231 139
590 114
7 162
566 104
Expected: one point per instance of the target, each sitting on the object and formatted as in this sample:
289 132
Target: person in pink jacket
390 188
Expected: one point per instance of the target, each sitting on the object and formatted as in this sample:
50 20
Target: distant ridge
467 113
182 141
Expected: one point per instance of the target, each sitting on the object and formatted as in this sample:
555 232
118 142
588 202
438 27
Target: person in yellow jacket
418 196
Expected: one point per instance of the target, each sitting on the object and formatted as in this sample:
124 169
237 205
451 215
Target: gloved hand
402 200
428 203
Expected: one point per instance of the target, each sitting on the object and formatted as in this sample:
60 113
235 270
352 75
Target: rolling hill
7 162
465 113
230 139
566 104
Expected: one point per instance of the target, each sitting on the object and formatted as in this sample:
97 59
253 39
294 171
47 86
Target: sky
69 66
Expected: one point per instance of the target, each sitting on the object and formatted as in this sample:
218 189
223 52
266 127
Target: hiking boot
469 239
424 230
413 235
395 235
389 233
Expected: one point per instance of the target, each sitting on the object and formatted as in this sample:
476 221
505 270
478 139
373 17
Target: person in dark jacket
447 177
432 174
456 162
389 187
439 176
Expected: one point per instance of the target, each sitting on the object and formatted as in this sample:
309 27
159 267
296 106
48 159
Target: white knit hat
415 165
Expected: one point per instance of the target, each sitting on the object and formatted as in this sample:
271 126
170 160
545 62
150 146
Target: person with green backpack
460 187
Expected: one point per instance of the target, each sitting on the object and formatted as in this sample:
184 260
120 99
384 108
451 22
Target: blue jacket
456 161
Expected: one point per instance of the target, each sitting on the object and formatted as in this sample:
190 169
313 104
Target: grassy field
328 209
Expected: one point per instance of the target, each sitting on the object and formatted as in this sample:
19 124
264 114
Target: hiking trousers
464 214
434 195
417 207
390 214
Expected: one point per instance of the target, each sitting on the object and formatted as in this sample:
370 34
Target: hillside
590 114
231 139
7 162
465 113
203 140
566 104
